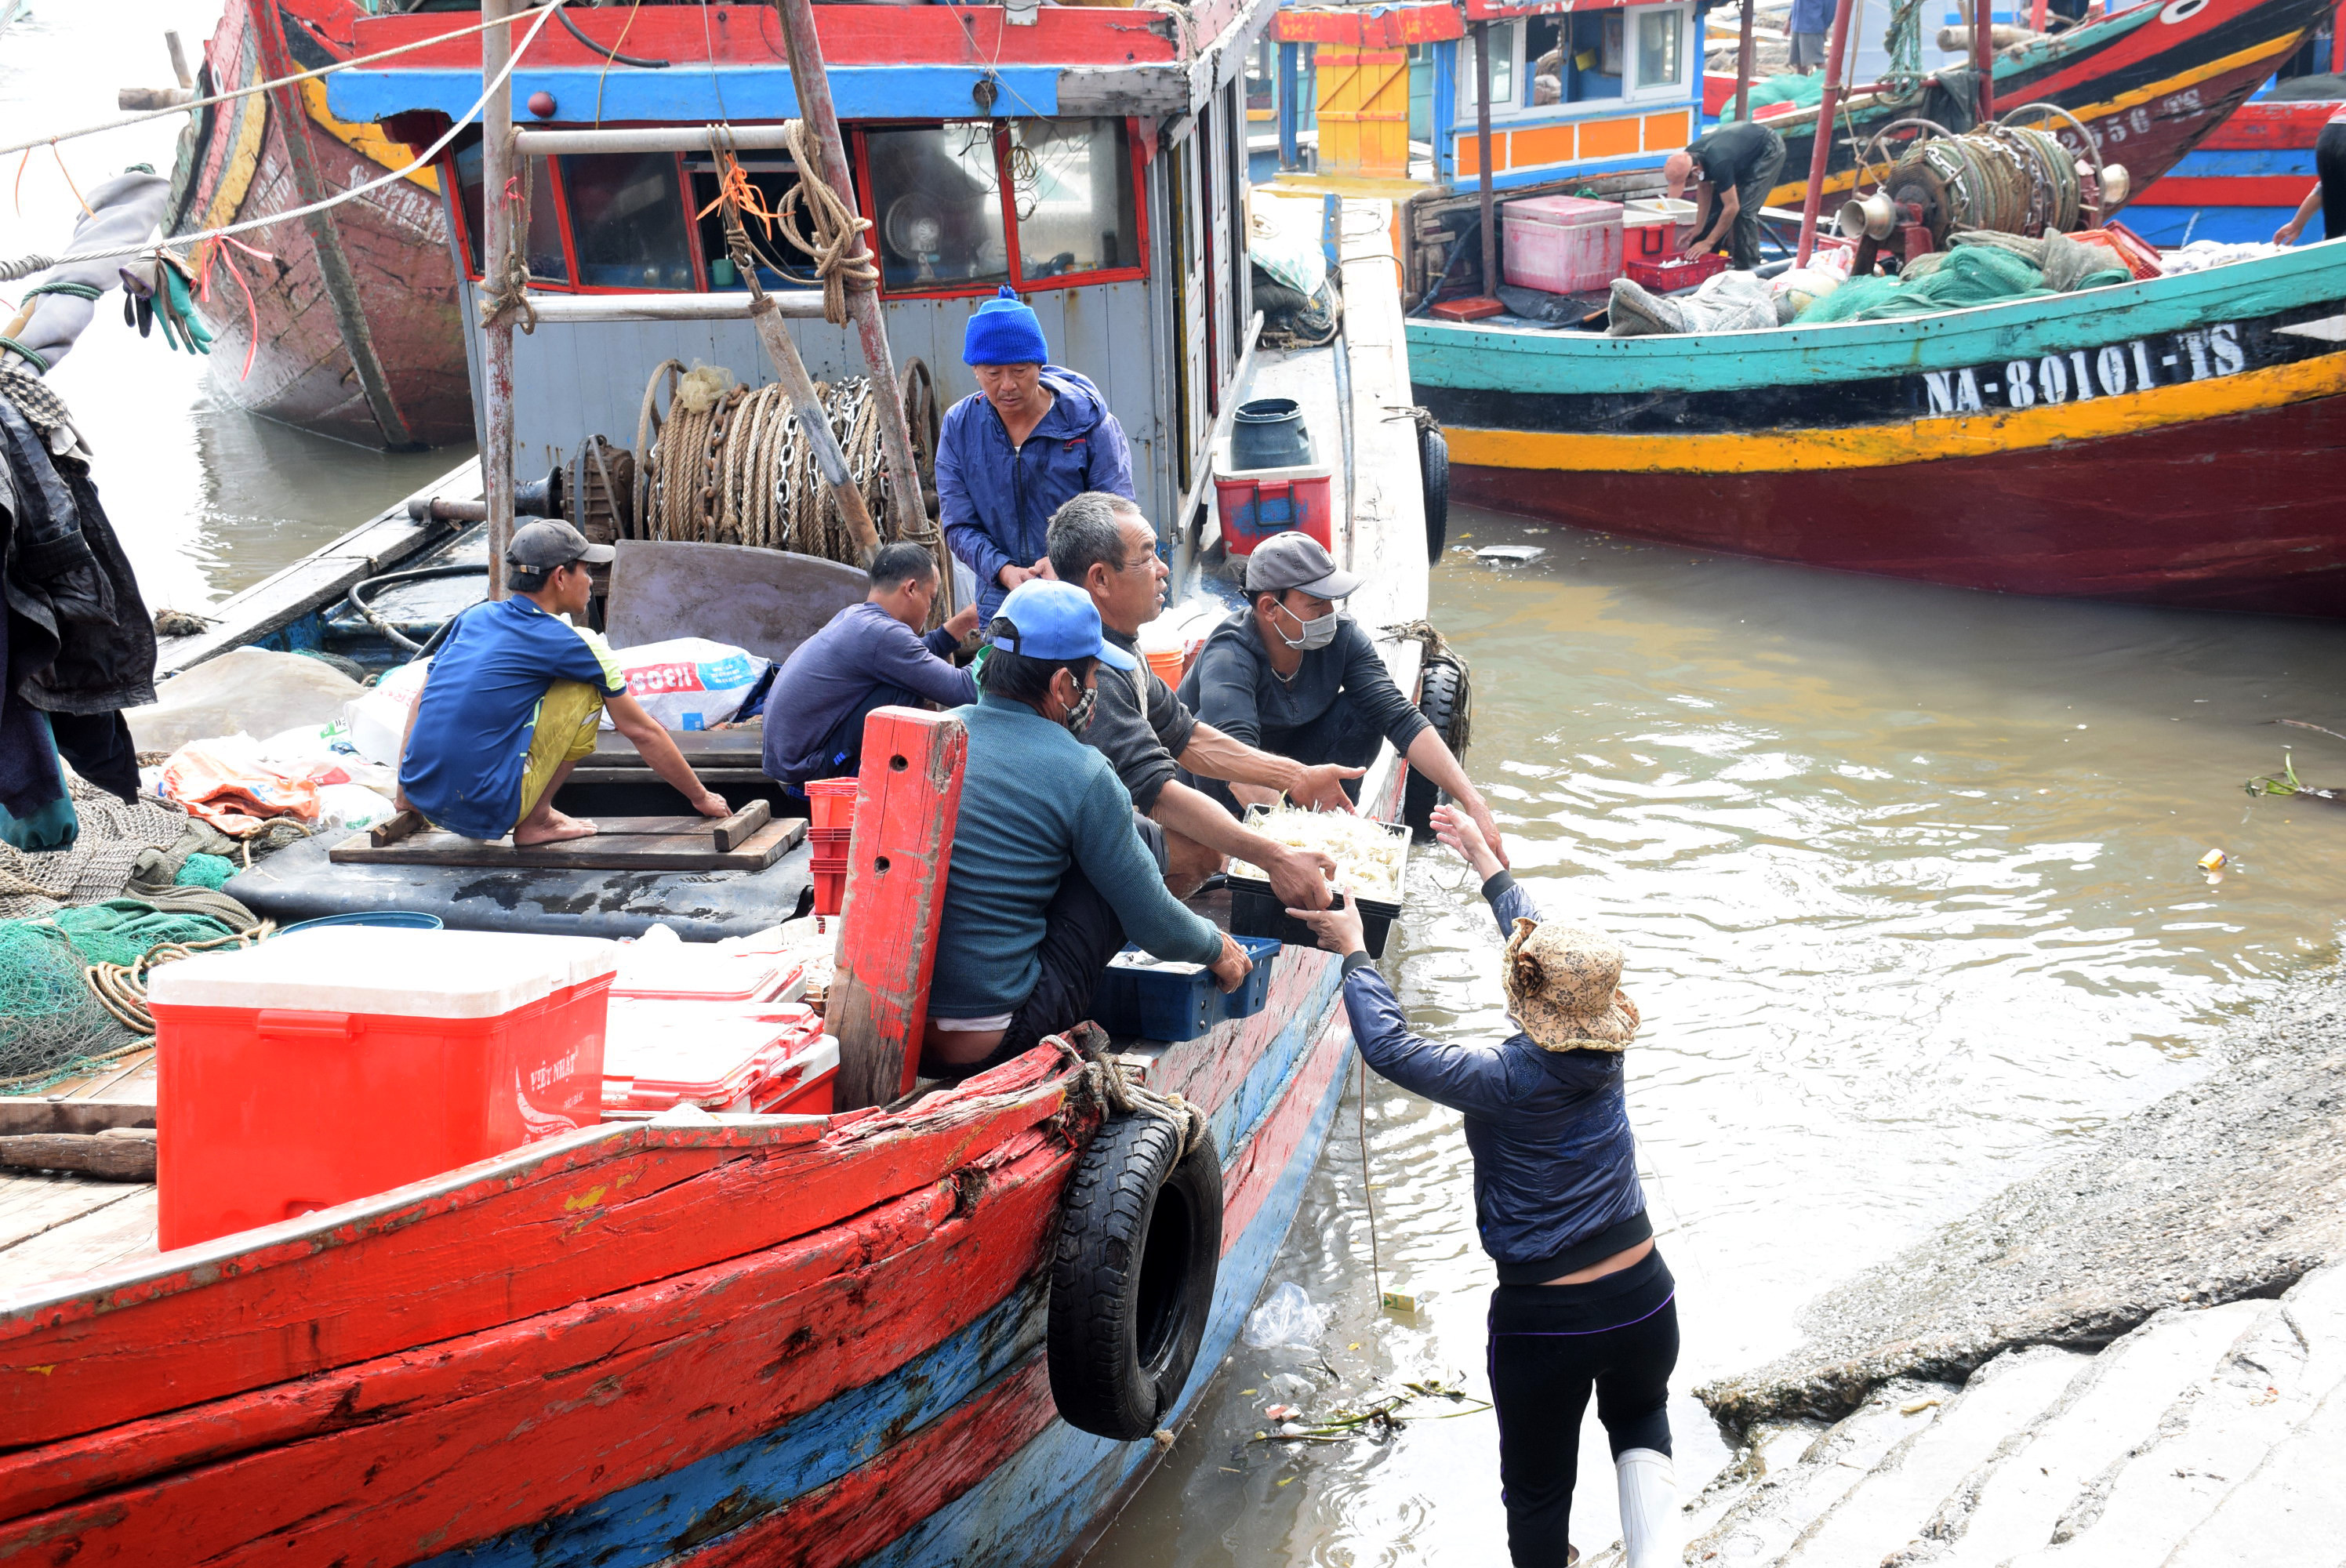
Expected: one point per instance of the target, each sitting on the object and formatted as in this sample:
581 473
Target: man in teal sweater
1049 877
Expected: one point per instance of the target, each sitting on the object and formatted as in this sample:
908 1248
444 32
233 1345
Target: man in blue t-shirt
514 698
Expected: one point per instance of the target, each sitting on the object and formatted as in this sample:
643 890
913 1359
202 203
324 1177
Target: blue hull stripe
691 97
643 1523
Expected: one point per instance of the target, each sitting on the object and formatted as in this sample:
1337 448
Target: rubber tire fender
1133 1271
1433 475
1446 696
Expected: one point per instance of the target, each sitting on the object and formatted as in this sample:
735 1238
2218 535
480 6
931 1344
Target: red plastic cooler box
1256 503
1561 244
330 1064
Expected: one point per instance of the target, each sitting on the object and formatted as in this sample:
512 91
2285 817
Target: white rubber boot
1649 1508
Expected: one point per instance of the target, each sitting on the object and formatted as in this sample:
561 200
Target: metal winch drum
2006 177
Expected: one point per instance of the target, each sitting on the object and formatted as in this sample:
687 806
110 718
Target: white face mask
1317 633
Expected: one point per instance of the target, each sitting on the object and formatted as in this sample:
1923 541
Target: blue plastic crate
1255 990
1179 1004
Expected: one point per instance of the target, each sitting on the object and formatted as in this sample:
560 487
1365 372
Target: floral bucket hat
1562 987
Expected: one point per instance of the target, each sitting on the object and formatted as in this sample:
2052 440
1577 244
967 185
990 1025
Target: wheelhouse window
936 199
780 264
1073 182
967 206
1506 45
627 221
542 244
1658 52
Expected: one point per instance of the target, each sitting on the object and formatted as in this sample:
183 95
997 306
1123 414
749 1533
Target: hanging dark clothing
80 641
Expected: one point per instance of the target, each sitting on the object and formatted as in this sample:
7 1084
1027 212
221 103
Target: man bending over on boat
1048 876
514 700
1033 434
1731 171
1296 676
1104 544
870 656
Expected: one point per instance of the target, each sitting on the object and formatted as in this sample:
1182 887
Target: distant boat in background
360 335
2245 179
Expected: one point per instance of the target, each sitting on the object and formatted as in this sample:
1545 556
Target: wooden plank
610 1392
394 829
100 1238
736 831
89 1154
713 747
905 807
22 1116
31 1205
524 1235
713 777
684 847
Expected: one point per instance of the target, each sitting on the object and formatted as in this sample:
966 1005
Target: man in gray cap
514 700
1294 676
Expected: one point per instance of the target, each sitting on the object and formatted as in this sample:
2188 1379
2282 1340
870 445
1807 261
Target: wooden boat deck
54 1226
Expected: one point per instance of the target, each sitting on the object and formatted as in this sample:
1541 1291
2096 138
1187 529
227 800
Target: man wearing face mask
1293 674
1104 544
1048 877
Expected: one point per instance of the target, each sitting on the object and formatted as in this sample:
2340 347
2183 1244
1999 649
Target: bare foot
551 827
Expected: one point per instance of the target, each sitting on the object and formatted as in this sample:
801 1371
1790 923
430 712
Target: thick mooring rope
1102 1077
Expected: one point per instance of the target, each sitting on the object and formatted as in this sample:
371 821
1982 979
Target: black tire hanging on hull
1445 695
1434 471
1132 1275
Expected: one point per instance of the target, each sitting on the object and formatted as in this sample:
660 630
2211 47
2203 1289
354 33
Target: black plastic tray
1255 911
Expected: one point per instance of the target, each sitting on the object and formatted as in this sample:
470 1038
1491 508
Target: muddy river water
1906 877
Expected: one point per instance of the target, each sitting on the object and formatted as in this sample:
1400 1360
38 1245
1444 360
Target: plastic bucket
1169 663
394 919
831 802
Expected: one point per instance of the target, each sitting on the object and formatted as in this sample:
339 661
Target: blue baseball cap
1059 621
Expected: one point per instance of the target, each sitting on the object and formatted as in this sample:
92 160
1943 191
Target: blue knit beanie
1004 332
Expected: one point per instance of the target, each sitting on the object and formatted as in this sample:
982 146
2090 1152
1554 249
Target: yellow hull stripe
1896 445
236 169
365 140
1846 179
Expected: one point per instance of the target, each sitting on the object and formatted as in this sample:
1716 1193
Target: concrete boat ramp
2207 1436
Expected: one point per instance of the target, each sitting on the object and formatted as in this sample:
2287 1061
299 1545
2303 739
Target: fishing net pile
1981 270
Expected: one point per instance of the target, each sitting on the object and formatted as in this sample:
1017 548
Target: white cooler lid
385 969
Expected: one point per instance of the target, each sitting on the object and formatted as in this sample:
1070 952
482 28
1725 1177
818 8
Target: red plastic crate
336 1063
718 1056
831 802
1666 277
829 883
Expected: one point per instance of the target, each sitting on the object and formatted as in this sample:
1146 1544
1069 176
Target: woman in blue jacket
1032 437
1584 1300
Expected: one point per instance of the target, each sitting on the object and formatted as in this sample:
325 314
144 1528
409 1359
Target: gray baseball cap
1297 560
544 545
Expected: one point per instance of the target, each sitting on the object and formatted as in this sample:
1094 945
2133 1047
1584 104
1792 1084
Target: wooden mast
496 256
1483 156
1743 66
1822 147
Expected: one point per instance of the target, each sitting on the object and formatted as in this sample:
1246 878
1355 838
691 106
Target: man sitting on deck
1296 676
514 698
1047 875
1732 169
870 656
1104 543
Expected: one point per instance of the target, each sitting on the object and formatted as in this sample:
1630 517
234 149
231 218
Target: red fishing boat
349 315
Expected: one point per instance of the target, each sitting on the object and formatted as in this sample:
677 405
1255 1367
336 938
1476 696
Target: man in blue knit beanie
1033 436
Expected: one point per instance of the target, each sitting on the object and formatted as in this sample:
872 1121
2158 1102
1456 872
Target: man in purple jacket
1033 436
871 655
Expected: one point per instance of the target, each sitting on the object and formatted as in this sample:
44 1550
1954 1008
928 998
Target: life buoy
1433 473
1446 696
1132 1275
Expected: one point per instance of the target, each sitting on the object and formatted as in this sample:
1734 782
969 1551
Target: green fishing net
50 1022
124 930
1806 92
202 871
1981 270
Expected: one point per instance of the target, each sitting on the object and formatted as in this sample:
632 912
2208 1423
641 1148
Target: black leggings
2330 163
1550 1344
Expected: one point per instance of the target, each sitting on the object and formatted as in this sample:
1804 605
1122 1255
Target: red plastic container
1664 277
1259 503
1561 244
830 884
719 1056
829 844
335 1063
831 803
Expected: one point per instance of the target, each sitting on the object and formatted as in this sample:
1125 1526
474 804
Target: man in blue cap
1033 435
1049 876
